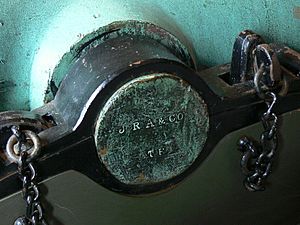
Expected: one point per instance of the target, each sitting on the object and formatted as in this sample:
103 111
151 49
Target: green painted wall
35 34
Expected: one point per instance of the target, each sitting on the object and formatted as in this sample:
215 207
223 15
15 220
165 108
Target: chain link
27 173
257 159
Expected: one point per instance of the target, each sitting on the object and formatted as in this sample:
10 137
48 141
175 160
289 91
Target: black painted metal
27 121
242 60
288 58
104 69
75 149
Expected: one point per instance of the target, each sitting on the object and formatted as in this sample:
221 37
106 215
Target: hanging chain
257 159
28 146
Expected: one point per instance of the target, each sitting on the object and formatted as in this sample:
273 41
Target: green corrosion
35 35
152 129
114 30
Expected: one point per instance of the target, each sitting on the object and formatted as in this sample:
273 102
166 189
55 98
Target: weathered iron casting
135 115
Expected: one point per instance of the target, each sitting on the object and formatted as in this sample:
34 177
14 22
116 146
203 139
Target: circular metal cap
151 129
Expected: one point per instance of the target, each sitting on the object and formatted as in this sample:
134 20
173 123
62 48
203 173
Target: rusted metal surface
152 129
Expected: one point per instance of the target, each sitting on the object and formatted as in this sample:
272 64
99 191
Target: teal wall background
34 34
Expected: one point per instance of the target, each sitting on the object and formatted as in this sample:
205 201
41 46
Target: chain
257 159
27 149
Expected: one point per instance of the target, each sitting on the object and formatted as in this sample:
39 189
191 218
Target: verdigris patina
151 129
